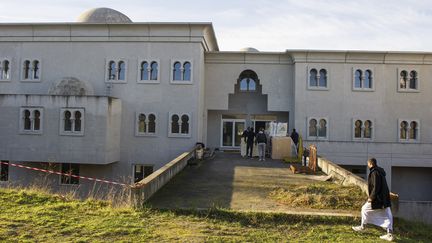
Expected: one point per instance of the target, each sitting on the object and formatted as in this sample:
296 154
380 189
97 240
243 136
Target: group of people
259 138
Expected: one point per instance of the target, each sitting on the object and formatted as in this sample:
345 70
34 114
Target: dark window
77 121
36 69
368 79
26 69
403 130
142 171
142 128
36 118
358 79
67 121
185 124
154 71
322 130
413 130
368 129
71 171
152 123
323 78
4 171
413 80
313 128
358 129
27 120
175 126
4 70
403 79
187 71
112 70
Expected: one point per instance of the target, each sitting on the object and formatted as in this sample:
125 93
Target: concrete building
109 98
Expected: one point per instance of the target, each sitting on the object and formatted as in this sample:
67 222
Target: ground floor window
4 171
69 169
142 171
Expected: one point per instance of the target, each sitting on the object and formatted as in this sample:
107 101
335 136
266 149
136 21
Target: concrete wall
94 146
412 183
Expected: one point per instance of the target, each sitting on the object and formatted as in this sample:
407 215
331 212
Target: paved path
229 181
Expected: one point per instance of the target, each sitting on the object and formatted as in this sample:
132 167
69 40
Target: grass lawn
35 216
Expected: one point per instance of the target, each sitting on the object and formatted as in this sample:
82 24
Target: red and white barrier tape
65 174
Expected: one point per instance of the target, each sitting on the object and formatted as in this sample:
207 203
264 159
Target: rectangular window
71 170
142 171
4 171
72 121
31 120
31 70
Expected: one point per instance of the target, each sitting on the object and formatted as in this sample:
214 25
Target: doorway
232 131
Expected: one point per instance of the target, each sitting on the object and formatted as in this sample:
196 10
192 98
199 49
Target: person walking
377 208
250 142
261 140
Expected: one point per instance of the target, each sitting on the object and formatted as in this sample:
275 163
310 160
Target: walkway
229 181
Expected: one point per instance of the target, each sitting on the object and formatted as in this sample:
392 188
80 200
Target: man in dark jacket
377 208
250 136
261 140
295 137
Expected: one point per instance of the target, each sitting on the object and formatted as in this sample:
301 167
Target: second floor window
317 128
408 130
182 71
408 80
363 80
317 79
116 70
179 125
363 129
31 70
146 124
5 70
149 71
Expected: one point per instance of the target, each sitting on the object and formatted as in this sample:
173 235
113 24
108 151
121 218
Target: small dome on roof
103 15
249 49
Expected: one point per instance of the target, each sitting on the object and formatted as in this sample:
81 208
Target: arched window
144 71
175 126
27 120
152 123
313 78
323 78
247 81
67 121
4 70
177 72
36 118
185 124
313 128
368 79
35 69
112 70
413 130
77 121
368 129
413 80
154 71
403 130
26 69
187 71
358 129
121 70
142 128
322 130
358 79
403 79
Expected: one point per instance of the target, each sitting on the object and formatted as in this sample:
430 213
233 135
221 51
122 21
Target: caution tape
64 174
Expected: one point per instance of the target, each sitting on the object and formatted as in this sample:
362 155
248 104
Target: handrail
147 187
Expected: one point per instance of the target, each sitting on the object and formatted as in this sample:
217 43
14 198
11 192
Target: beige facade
350 103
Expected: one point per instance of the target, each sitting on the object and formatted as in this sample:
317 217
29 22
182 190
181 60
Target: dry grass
323 195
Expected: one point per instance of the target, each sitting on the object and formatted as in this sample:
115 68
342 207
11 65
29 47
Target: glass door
232 131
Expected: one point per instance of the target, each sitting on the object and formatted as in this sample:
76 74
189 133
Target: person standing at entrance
250 142
377 208
261 140
295 137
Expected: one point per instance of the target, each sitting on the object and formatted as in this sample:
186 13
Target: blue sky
398 25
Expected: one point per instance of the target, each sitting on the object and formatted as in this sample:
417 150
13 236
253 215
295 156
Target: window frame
408 69
32 109
363 69
72 110
2 60
116 60
149 81
182 62
61 175
318 69
362 138
408 140
31 79
318 138
146 134
144 165
179 135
